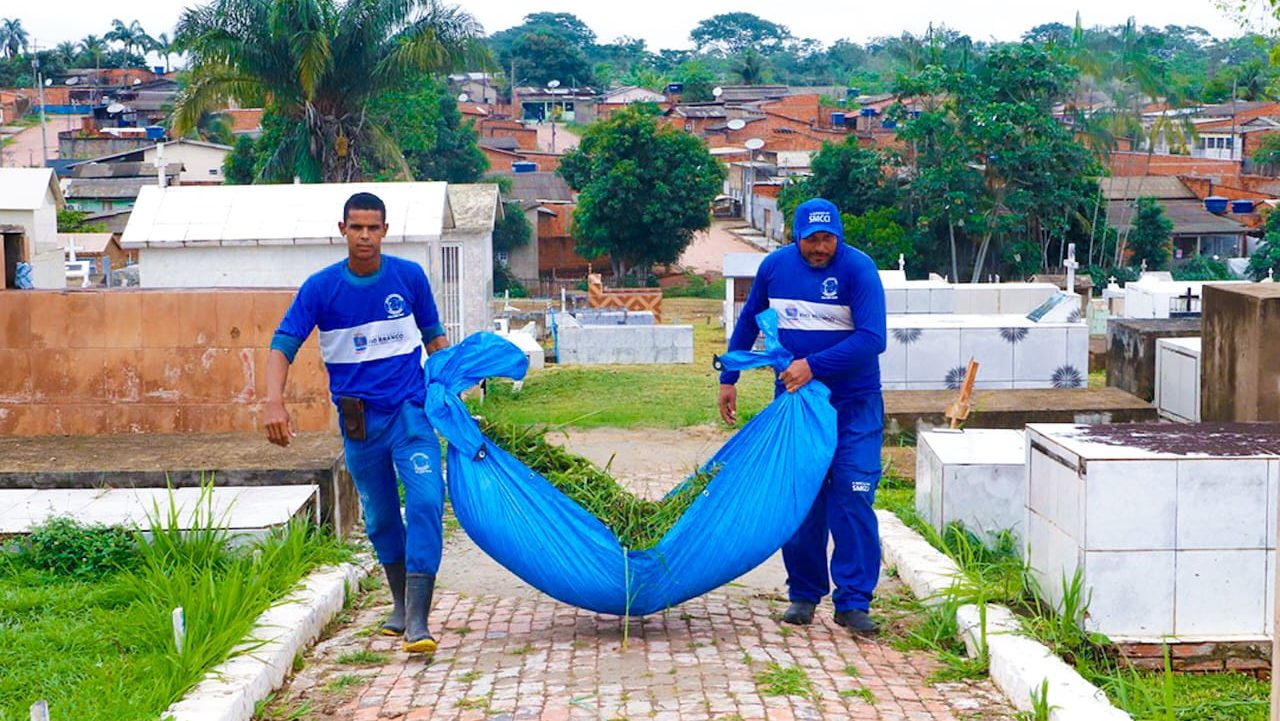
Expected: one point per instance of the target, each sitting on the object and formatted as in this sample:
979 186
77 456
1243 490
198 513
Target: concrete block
1131 364
1240 360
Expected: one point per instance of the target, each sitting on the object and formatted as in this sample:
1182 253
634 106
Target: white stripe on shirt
371 341
807 315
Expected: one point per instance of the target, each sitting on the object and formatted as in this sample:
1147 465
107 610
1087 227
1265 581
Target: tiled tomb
931 352
1171 526
1178 379
1154 297
974 477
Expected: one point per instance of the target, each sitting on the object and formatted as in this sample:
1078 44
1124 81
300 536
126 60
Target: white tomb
1177 392
1155 295
1000 298
974 477
1171 526
931 352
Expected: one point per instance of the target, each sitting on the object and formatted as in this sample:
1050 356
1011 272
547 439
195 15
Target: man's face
819 248
364 231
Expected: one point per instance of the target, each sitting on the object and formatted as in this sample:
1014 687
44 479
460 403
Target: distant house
276 235
245 121
546 104
1195 230
107 187
553 255
29 202
201 161
478 87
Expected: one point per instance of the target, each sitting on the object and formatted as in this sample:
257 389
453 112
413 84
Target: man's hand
796 375
729 403
435 344
279 425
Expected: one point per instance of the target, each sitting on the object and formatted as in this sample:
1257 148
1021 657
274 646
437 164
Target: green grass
362 657
862 693
99 645
343 682
633 396
777 680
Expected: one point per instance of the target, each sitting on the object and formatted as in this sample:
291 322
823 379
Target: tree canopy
644 189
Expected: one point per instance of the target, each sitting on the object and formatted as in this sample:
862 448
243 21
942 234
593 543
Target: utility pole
39 88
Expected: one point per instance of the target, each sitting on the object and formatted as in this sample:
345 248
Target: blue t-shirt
371 330
833 316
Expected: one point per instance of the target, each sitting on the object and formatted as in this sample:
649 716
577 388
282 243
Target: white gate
450 295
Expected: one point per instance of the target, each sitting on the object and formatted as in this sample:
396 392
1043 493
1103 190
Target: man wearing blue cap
831 316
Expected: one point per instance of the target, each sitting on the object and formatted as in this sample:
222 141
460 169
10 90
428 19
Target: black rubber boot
799 613
394 625
857 621
418 589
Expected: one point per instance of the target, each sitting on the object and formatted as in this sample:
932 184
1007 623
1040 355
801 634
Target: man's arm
745 332
279 424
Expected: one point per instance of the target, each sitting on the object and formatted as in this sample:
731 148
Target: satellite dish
48 82
118 108
754 144
736 124
137 81
717 91
72 80
553 83
463 97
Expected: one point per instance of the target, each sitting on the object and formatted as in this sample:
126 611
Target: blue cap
815 215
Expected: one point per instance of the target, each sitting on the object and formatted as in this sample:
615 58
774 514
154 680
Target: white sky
666 23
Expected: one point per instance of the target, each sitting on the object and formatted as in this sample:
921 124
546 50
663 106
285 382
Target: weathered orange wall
88 362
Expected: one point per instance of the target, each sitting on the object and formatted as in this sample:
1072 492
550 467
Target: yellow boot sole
425 645
390 632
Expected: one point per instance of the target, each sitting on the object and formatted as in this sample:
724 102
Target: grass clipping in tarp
638 523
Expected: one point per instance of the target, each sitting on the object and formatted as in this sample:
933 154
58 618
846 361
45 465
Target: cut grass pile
638 523
85 612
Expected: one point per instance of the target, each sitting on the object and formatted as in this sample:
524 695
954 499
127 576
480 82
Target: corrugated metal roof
25 188
128 169
277 214
1164 188
540 186
107 188
1188 216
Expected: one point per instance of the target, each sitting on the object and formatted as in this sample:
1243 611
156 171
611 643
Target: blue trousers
843 511
400 444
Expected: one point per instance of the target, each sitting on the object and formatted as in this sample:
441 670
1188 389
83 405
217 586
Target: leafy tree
1202 268
1267 256
73 221
164 47
237 168
321 62
644 189
423 119
850 176
13 37
542 56
1268 152
1149 239
93 48
750 69
731 33
566 25
878 234
512 232
698 82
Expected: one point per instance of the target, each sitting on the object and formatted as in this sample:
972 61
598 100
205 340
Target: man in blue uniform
374 313
831 316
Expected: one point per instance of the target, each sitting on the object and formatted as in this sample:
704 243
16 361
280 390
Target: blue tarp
769 474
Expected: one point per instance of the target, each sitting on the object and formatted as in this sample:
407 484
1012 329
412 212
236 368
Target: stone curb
231 689
1018 663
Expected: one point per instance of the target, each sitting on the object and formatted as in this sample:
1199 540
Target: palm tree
320 63
129 36
163 47
13 37
67 51
94 47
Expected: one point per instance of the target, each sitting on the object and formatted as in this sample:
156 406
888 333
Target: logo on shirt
820 216
394 305
860 487
830 288
791 312
421 463
361 342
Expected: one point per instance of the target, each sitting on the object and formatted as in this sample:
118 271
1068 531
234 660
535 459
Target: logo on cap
820 216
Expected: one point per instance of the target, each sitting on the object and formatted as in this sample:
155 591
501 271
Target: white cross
1071 266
